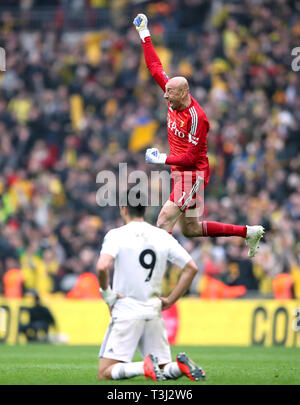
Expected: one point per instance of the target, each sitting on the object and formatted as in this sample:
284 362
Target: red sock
219 229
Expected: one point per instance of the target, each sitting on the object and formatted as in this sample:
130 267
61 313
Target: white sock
127 370
172 370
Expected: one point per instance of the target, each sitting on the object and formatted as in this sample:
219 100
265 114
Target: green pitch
38 364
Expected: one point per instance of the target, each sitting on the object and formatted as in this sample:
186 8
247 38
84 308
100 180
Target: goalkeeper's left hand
153 156
141 25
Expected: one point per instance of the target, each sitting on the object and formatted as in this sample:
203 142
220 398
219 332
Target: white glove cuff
144 33
109 296
162 157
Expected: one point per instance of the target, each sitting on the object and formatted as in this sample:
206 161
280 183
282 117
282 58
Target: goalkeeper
187 133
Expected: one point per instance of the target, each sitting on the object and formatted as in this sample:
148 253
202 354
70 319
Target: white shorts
123 337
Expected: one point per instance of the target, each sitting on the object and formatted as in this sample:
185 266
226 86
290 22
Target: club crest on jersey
173 127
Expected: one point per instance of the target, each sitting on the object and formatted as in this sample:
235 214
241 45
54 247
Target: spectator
283 285
13 279
40 320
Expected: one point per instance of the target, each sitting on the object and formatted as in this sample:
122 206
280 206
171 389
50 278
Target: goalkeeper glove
109 296
153 156
141 25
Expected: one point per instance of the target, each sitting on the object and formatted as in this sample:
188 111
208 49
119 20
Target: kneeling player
139 253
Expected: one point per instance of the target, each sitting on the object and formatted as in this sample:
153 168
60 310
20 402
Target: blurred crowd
71 105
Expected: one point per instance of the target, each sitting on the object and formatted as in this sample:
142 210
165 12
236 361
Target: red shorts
188 188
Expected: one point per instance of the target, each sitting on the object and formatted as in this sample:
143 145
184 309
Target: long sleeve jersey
187 129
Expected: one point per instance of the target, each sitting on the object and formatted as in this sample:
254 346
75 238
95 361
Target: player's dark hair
136 209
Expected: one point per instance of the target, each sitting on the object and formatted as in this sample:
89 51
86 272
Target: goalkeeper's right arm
151 58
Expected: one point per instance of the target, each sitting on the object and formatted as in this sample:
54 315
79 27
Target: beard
173 105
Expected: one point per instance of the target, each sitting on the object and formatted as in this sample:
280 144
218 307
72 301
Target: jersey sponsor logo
173 127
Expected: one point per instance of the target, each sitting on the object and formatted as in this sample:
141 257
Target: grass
38 364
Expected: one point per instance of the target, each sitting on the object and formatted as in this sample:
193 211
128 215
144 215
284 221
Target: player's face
174 96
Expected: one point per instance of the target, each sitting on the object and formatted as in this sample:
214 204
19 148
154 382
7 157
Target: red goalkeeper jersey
187 129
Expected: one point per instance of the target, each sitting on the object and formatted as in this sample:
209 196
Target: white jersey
141 252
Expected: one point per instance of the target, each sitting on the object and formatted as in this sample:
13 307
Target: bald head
177 93
179 82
